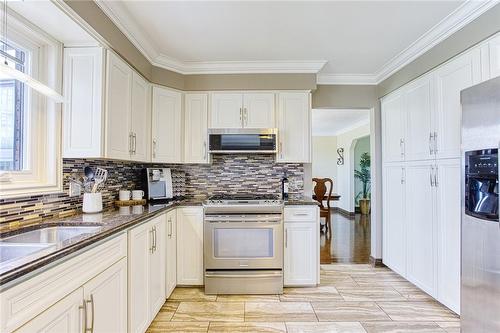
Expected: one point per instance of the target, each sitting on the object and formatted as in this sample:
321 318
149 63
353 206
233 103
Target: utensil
89 173
99 178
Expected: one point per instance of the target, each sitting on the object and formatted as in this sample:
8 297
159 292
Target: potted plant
364 176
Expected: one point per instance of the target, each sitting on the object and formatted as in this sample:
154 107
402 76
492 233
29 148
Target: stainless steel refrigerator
480 279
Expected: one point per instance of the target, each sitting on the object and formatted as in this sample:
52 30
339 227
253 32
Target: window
12 104
30 159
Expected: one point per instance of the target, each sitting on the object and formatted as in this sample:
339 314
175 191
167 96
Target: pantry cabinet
146 268
242 110
195 130
394 226
393 127
166 132
171 253
294 127
190 246
301 243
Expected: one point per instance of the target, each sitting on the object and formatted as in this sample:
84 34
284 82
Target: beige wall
344 96
473 33
250 82
324 157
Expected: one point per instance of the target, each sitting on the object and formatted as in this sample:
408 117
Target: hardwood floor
354 298
349 241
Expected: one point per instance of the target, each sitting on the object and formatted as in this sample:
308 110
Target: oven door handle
209 275
220 219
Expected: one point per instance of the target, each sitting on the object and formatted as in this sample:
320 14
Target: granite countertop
107 223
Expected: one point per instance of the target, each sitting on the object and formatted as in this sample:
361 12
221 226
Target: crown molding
459 18
347 79
455 21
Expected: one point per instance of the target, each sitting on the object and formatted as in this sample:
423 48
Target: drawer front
29 298
301 214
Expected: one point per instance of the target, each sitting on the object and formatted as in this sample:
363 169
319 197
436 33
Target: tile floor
352 298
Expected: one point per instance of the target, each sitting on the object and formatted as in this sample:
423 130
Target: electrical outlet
74 190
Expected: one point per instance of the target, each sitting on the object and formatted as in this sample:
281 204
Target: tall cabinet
421 124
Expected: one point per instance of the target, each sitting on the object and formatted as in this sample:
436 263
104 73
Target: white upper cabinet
118 108
258 110
83 109
294 127
226 111
453 77
494 56
166 126
140 119
242 110
195 128
419 108
393 127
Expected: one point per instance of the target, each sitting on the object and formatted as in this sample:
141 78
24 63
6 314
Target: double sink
40 242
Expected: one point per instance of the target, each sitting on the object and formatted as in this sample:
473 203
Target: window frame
42 126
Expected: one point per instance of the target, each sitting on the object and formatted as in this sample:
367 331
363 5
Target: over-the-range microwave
242 140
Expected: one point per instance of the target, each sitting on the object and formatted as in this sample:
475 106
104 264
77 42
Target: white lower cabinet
190 246
421 226
64 316
146 272
171 253
301 241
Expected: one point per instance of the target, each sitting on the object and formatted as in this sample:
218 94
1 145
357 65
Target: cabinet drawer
301 214
29 298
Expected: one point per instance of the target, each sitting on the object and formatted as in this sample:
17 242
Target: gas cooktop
244 199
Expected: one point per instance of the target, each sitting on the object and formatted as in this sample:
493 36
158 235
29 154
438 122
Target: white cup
137 194
124 195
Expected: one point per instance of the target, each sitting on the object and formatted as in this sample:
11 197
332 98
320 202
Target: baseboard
376 262
343 212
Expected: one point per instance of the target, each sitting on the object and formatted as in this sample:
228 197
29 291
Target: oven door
248 241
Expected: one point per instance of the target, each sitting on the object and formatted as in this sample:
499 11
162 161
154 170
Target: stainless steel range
243 243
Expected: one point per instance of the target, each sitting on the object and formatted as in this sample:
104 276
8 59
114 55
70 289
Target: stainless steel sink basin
50 235
12 251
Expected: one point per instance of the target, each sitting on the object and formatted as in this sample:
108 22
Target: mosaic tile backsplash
226 174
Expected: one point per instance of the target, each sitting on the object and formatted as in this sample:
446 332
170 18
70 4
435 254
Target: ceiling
332 122
358 42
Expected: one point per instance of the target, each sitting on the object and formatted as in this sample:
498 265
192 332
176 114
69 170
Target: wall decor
340 159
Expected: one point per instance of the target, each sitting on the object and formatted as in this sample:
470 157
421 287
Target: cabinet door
294 128
83 110
167 126
139 248
157 265
460 73
418 104
226 111
141 119
448 221
118 106
106 298
394 224
300 259
494 55
171 275
421 234
195 137
259 110
64 316
190 246
393 127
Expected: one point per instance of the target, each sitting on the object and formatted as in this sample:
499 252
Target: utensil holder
92 202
